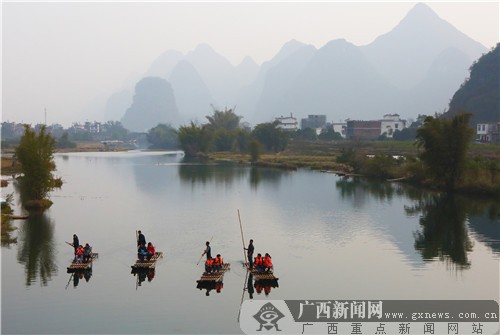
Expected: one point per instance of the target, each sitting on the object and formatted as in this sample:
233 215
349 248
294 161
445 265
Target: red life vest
268 263
258 261
209 261
218 261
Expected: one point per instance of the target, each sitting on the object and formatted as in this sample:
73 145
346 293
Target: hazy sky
63 56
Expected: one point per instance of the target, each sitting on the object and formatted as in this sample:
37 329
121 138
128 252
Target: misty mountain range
413 69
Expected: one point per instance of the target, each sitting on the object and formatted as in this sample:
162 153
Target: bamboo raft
147 264
214 276
261 276
83 265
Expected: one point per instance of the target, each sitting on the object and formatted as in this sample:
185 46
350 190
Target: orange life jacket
218 261
268 263
209 261
258 261
79 251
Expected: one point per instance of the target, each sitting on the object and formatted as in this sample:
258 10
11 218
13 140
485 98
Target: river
329 237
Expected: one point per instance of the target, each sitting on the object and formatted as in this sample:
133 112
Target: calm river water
330 238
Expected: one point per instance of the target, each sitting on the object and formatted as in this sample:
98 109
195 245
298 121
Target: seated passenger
268 263
218 263
151 250
79 254
258 263
209 265
87 253
142 252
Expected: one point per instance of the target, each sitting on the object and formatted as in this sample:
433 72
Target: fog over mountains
413 69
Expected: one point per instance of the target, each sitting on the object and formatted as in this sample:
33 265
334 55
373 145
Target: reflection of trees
444 232
192 171
195 171
487 227
359 189
259 174
443 217
36 248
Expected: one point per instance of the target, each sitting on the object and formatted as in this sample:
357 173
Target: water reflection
444 233
7 229
195 171
36 248
208 286
361 189
487 228
78 276
142 275
265 285
266 175
249 283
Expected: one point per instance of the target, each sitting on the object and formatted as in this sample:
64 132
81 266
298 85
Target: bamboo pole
242 239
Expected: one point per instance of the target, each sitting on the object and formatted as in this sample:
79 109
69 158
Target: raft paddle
71 244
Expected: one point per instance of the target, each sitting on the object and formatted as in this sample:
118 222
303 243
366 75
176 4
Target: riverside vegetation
34 164
442 158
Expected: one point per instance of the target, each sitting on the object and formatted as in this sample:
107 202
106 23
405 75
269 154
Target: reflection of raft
214 276
206 284
268 276
267 282
82 266
147 264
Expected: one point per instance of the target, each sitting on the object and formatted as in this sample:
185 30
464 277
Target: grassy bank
378 160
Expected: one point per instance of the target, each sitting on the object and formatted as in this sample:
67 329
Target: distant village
374 129
112 131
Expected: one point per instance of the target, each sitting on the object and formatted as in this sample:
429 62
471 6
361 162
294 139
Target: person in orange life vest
258 287
218 287
258 263
209 265
79 254
151 250
268 263
218 263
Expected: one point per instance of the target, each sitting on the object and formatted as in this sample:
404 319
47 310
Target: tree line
223 131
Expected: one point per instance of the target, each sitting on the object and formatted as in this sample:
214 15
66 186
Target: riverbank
351 157
385 161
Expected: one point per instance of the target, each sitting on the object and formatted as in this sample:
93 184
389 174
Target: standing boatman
250 250
140 239
208 251
76 243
